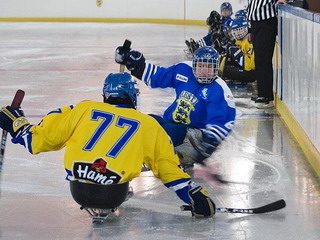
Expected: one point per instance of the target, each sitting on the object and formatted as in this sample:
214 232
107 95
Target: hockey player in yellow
108 142
240 65
248 54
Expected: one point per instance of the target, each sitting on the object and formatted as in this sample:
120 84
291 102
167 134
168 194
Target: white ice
59 64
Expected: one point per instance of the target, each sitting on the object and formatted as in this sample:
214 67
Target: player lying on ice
107 143
203 112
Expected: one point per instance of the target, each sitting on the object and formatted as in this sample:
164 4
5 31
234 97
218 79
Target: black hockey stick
18 97
219 178
264 209
213 176
126 46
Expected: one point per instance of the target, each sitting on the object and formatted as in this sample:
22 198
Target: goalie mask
239 28
120 88
205 64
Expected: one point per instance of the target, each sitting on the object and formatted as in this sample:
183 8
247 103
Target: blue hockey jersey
201 106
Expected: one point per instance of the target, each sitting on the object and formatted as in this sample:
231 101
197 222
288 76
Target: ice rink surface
58 64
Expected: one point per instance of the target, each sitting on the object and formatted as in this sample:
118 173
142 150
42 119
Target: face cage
239 33
228 34
214 70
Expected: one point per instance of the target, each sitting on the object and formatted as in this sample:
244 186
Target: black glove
218 45
132 59
235 53
13 120
215 36
201 203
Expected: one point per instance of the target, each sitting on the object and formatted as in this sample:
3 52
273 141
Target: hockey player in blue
215 37
216 22
203 112
215 29
226 11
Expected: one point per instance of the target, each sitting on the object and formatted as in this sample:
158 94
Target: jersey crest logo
182 78
185 105
96 172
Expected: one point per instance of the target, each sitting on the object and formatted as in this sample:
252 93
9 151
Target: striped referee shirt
261 9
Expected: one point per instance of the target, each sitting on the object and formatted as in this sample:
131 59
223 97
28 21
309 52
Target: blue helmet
227 28
241 14
226 6
120 88
239 28
205 64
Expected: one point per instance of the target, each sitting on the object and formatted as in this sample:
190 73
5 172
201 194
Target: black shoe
263 102
253 98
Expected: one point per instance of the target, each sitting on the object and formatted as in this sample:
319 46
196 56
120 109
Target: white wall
299 76
145 9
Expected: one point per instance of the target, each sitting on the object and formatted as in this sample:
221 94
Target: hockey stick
213 176
18 97
274 206
126 46
219 178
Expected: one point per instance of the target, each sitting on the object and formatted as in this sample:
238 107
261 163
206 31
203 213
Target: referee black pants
263 35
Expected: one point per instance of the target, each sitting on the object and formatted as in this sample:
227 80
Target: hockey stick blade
277 205
217 177
213 176
126 46
220 179
16 102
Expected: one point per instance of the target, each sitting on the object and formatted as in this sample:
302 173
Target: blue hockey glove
202 205
13 120
132 59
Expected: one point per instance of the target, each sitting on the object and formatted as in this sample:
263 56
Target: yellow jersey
107 144
248 54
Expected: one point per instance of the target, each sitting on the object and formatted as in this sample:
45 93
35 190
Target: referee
262 15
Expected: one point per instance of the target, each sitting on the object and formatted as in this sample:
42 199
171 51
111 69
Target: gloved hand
132 59
203 142
218 45
235 53
201 203
13 120
215 37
